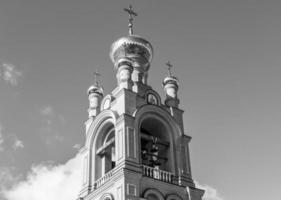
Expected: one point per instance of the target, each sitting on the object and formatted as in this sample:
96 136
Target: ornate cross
131 13
96 77
169 65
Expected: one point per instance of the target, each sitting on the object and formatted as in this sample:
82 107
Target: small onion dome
171 80
138 50
95 89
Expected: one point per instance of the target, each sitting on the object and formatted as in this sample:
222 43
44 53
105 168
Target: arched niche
156 145
157 130
152 97
107 196
153 194
106 102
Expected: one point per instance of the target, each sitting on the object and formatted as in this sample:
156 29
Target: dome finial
96 78
95 95
96 87
131 13
169 65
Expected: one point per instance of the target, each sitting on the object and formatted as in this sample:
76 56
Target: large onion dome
134 49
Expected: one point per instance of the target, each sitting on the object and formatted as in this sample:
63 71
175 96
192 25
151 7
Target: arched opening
152 197
153 194
173 197
156 151
107 196
105 151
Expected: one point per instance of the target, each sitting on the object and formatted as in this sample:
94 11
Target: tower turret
131 56
95 95
171 86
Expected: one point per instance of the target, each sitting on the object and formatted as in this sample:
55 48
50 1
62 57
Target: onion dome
95 95
95 89
171 80
171 86
134 49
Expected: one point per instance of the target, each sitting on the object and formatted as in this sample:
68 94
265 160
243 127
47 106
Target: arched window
106 159
152 197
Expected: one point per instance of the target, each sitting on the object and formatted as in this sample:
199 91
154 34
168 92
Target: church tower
136 148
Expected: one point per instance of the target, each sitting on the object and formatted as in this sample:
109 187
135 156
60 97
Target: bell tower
136 148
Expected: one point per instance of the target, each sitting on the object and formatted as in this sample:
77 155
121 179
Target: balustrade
157 174
103 179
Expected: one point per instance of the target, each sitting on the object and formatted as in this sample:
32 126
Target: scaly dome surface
134 48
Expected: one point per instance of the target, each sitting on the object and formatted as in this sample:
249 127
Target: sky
226 54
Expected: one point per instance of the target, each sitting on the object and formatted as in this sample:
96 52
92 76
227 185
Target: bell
154 149
151 161
157 163
144 151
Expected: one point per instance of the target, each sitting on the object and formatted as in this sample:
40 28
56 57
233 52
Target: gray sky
226 54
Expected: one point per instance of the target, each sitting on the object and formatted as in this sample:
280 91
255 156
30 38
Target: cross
96 77
169 67
131 13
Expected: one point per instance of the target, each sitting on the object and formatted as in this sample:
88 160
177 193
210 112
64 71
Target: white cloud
7 178
76 146
11 140
56 182
18 144
49 182
210 192
9 74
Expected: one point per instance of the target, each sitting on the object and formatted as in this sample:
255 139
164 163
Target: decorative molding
107 196
131 189
131 143
106 116
152 191
149 110
154 94
119 193
120 143
173 197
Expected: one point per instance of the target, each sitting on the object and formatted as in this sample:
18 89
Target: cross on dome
96 77
131 13
169 65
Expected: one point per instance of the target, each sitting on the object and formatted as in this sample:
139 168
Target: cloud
7 178
9 73
210 192
49 182
18 144
56 182
76 146
10 140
